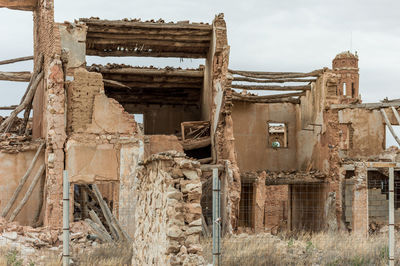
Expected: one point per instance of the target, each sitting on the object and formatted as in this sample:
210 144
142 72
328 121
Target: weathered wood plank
22 182
277 75
119 53
191 144
153 72
28 193
272 88
272 80
24 76
19 59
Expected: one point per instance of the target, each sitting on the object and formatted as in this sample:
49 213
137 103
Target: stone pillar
259 202
360 200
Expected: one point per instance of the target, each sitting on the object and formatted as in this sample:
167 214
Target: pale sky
264 35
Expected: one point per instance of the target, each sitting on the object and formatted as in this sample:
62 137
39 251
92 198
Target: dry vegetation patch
303 249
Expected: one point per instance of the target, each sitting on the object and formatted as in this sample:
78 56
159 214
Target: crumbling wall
81 92
14 161
250 126
168 211
49 107
276 207
104 145
368 130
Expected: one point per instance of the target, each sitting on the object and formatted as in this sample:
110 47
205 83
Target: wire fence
309 224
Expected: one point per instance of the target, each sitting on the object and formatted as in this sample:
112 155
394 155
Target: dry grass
303 249
106 255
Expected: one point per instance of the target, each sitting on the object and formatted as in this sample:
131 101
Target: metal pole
216 219
391 216
65 219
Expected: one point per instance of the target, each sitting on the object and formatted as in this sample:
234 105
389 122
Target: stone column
360 200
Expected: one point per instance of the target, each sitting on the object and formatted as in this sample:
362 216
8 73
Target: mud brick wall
168 211
276 207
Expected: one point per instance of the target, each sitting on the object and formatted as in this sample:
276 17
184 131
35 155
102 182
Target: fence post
391 216
216 219
66 255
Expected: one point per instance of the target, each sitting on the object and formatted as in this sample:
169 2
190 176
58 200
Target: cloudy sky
264 35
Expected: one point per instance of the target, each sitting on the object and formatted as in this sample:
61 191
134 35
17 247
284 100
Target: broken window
277 135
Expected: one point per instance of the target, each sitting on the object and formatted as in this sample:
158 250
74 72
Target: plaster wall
13 167
251 136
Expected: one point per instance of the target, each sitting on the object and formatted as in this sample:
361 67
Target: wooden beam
102 234
27 100
153 72
277 75
271 88
16 76
364 105
272 80
131 85
19 59
170 33
11 107
92 36
381 164
148 42
210 167
281 100
116 83
28 193
191 144
22 182
145 25
264 97
396 114
390 126
118 53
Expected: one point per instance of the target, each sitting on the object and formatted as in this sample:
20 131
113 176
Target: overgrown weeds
303 249
107 255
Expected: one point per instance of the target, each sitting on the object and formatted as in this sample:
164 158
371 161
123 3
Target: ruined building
291 160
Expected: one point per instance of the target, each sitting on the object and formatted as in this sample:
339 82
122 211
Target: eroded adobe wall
49 107
104 145
366 129
250 126
168 211
14 161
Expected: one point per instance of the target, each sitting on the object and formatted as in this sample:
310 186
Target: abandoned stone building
294 160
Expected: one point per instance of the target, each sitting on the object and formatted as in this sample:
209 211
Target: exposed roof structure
155 39
149 85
